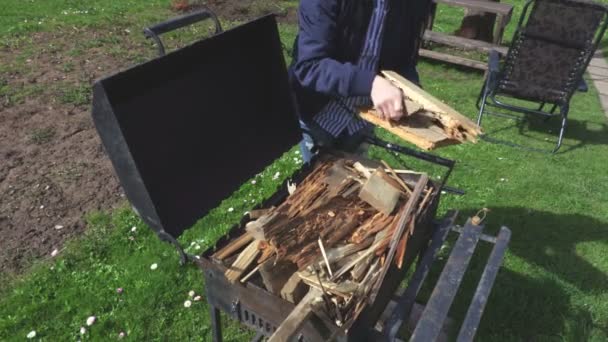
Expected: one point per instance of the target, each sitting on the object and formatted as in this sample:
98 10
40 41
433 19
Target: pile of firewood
336 234
429 123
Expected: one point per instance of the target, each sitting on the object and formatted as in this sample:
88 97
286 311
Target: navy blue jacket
330 39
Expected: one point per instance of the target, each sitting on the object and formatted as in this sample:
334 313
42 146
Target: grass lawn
553 285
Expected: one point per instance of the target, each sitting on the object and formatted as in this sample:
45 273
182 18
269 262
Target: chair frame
490 89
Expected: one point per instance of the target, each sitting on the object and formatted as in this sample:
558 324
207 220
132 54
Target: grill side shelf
431 322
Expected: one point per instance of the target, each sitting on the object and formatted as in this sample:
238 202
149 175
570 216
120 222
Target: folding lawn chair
546 60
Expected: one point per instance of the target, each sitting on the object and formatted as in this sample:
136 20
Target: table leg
501 23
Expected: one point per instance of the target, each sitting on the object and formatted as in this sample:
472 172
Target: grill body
257 309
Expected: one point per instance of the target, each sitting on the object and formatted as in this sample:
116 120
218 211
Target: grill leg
216 323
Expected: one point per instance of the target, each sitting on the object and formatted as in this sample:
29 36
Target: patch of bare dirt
53 169
241 10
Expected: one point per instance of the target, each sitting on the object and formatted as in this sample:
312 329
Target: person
340 47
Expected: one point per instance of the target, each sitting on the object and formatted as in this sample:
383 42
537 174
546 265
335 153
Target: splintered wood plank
429 102
425 138
338 253
244 260
412 107
377 223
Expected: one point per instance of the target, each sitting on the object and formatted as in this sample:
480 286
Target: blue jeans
313 135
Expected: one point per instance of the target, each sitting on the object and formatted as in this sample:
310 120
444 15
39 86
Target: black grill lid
187 129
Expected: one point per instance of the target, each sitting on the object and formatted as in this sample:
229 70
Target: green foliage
17 95
22 17
42 135
77 95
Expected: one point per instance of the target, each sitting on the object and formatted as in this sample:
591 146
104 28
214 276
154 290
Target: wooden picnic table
503 13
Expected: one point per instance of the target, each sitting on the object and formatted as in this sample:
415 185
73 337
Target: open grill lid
185 130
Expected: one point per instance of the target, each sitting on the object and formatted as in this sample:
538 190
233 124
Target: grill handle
156 30
431 158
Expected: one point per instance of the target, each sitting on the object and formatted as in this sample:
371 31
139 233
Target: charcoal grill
184 130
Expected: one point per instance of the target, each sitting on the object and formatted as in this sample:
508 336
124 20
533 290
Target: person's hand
387 99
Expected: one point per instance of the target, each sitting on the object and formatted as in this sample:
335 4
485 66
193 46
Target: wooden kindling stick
325 257
401 226
403 243
233 246
397 178
245 278
352 264
362 169
424 201
242 262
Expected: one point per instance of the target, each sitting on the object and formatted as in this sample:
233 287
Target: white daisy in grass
187 304
231 209
153 266
91 320
191 293
83 330
31 334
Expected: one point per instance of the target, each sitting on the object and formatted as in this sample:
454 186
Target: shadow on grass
549 241
575 129
530 126
523 308
534 301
